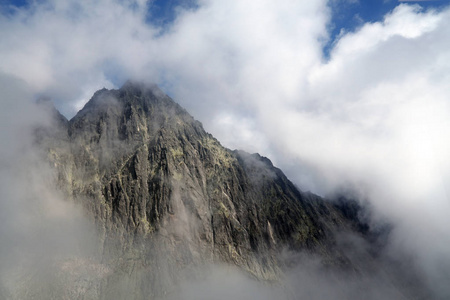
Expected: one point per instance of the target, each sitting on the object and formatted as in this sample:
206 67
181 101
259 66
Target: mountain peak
136 94
131 84
161 189
141 87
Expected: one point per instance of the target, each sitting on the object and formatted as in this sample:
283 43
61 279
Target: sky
343 95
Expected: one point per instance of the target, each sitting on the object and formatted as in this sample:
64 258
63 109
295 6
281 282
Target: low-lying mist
309 278
51 250
43 236
373 114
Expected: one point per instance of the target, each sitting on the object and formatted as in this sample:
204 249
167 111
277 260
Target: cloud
379 124
308 280
38 228
373 117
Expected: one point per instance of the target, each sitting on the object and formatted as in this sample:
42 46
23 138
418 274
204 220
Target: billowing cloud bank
374 118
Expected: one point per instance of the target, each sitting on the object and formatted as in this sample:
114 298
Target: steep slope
167 197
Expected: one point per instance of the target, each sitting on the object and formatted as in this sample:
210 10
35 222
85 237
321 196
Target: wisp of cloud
373 118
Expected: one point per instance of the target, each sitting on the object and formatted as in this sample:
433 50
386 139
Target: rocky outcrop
166 197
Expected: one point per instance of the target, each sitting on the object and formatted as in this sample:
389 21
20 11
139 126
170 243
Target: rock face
166 197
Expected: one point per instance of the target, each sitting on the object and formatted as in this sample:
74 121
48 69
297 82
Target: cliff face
166 197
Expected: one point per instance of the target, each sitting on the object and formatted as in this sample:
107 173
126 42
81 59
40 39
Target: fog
371 120
43 235
49 251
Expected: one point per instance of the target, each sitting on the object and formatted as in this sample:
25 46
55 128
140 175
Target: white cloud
375 116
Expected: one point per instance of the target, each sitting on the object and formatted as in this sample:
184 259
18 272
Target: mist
50 248
308 278
44 236
371 120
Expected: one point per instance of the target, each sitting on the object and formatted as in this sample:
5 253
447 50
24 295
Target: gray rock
167 199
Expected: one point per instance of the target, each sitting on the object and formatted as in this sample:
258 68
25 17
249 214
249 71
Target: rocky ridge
167 198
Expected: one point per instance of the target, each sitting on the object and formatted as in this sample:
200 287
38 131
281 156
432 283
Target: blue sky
163 12
347 15
370 109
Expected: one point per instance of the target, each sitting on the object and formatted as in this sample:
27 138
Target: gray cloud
375 116
39 229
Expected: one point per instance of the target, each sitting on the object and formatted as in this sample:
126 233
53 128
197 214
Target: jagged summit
141 87
140 158
165 194
131 93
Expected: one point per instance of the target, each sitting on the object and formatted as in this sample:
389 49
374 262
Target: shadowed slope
167 198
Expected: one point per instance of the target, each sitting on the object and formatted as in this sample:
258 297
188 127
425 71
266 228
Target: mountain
168 199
